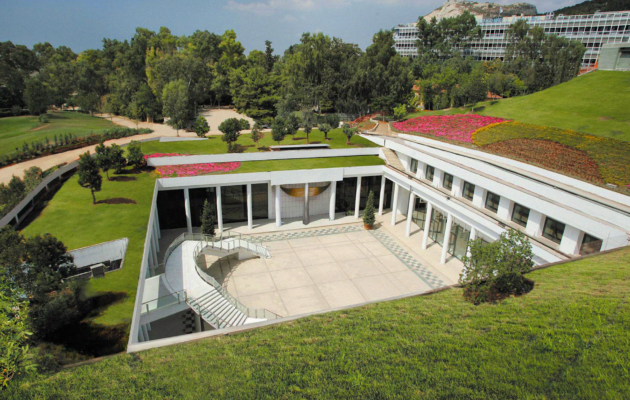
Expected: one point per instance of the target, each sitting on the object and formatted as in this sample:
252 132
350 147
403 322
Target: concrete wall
615 57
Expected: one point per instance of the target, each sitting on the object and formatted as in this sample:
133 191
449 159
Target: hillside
565 339
453 8
592 6
594 103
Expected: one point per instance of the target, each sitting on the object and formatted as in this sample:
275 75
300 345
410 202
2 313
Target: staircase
232 244
391 158
217 310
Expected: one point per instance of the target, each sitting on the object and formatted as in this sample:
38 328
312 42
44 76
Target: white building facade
593 30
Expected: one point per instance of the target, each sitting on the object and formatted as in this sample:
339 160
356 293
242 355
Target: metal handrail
212 243
182 295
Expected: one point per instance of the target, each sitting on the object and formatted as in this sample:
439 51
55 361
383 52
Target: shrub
207 219
496 269
135 156
201 127
59 309
368 213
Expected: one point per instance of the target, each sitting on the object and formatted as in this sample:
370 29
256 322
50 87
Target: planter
368 227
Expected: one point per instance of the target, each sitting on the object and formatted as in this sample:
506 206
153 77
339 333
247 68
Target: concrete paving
318 269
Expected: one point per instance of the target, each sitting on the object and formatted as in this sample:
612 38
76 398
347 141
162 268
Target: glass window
469 191
171 209
447 181
198 197
260 201
414 166
492 202
429 173
590 245
553 230
437 227
234 203
520 214
458 243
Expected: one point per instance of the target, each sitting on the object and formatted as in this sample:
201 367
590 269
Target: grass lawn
15 131
214 144
568 338
72 218
595 103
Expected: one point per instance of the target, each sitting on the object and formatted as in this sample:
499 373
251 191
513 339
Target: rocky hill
453 8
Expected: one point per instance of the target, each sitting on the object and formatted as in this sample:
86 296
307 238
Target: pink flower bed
170 171
453 127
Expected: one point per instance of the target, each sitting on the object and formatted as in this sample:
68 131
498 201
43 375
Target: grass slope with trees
567 338
15 131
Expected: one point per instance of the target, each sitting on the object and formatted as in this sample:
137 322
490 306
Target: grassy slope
568 338
214 145
71 217
14 131
595 103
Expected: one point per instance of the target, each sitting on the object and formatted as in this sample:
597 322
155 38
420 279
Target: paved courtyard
325 268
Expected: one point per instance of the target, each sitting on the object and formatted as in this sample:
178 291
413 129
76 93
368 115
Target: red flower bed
172 171
550 155
453 127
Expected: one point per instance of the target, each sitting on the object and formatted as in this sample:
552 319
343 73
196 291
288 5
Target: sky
82 24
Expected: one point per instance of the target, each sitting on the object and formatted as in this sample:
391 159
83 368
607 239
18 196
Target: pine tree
368 213
207 219
89 175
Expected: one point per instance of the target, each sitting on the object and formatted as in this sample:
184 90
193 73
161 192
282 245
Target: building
593 30
431 197
615 57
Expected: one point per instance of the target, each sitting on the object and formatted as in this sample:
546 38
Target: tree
207 219
135 156
231 128
201 126
104 158
47 264
368 212
292 125
175 104
244 124
37 96
400 112
32 178
278 129
497 267
325 127
309 121
15 357
349 132
118 161
257 134
89 175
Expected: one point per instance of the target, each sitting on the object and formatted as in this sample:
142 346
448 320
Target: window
469 191
447 182
492 202
590 245
429 173
520 214
414 166
553 230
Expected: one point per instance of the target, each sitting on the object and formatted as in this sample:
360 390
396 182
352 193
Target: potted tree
368 213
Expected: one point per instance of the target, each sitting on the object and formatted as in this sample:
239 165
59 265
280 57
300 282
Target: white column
447 238
197 322
458 186
306 219
478 196
381 196
473 236
505 206
269 200
422 167
154 249
187 207
437 177
534 223
394 204
278 216
250 217
570 240
412 203
219 210
427 226
357 201
156 230
333 199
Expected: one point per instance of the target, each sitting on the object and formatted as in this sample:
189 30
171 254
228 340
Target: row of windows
552 229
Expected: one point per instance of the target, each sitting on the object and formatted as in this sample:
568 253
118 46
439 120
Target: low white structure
452 194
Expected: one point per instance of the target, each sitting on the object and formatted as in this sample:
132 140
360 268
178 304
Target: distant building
593 30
